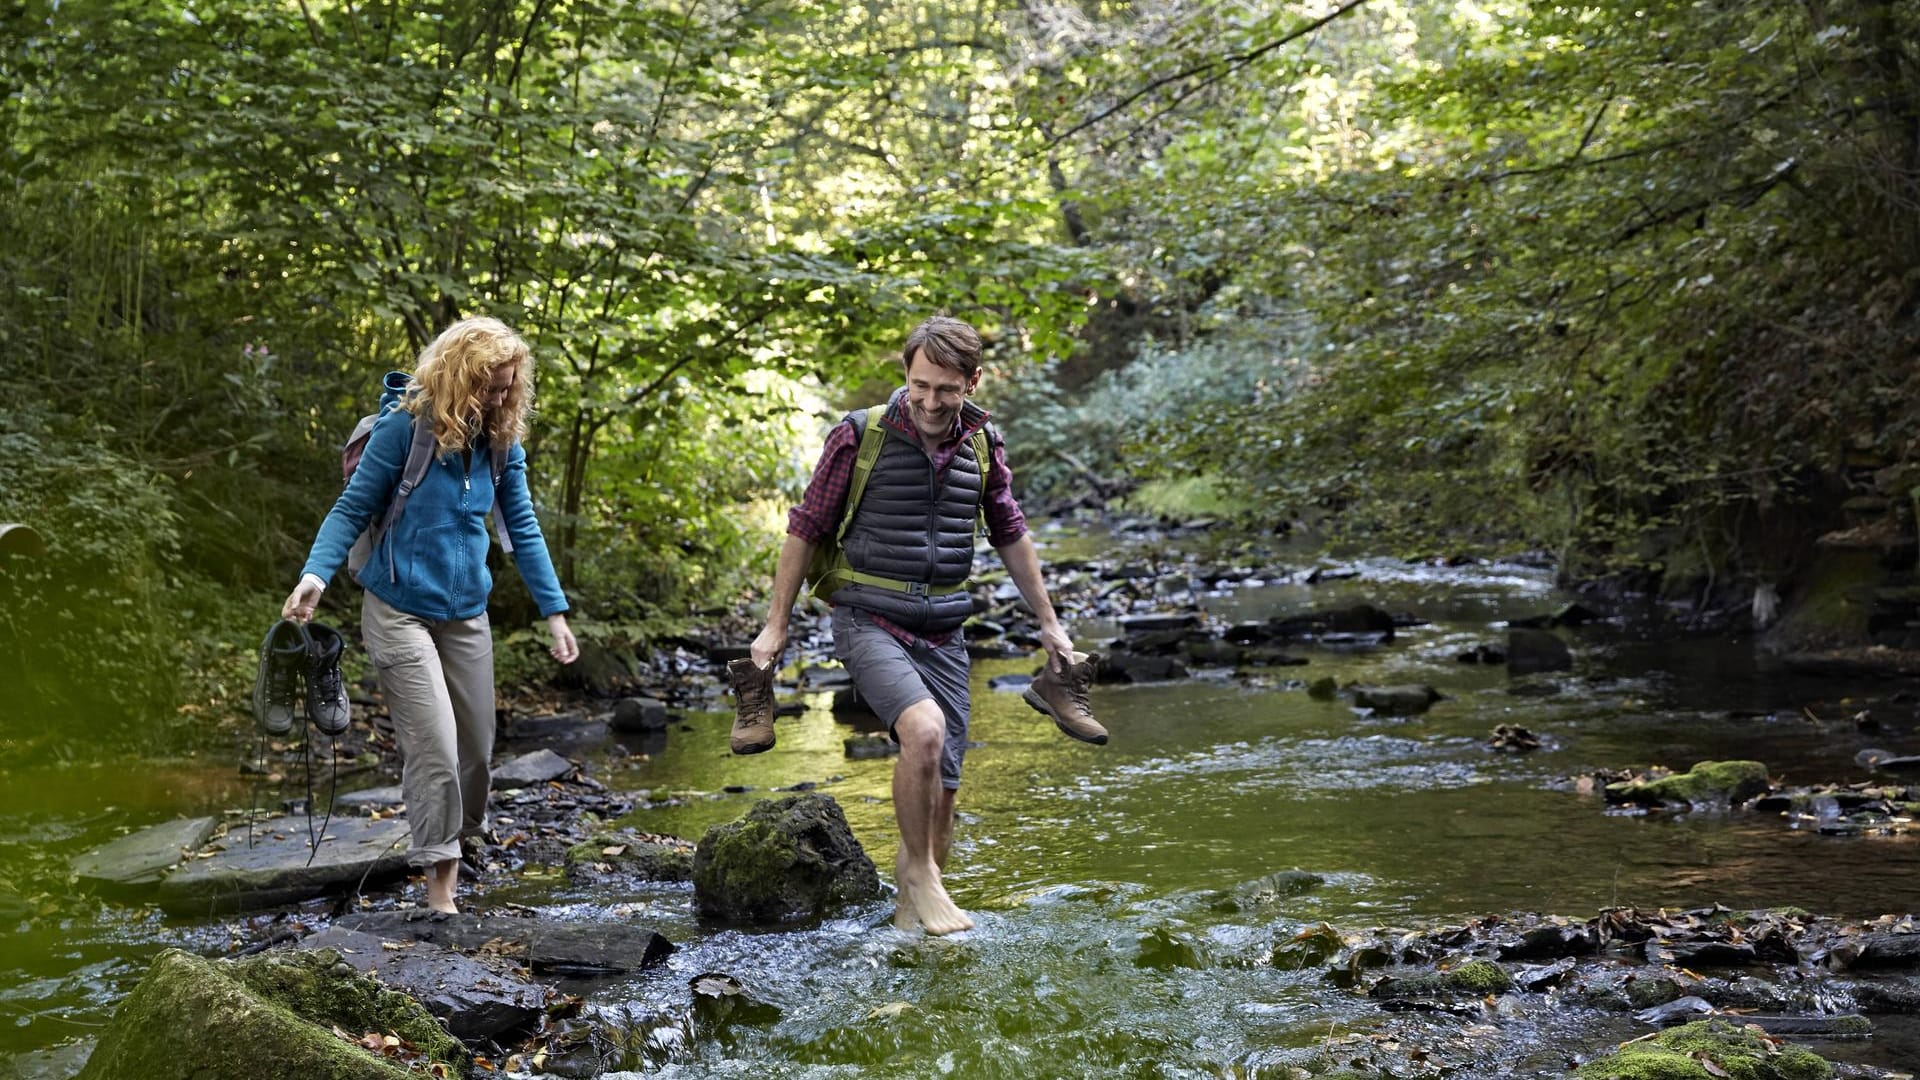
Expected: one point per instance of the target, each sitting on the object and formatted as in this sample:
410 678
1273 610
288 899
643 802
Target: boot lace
756 697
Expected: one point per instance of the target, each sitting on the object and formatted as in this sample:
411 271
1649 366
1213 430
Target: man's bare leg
943 826
917 798
442 879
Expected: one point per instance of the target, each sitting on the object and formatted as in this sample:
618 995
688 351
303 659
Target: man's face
934 396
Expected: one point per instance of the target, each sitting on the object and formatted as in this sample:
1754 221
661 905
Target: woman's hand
565 649
303 599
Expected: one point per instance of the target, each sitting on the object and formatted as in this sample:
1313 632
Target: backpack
829 570
420 457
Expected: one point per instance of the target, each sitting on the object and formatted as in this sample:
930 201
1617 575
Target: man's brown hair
946 341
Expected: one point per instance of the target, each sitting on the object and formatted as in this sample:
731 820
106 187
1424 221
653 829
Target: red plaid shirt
820 509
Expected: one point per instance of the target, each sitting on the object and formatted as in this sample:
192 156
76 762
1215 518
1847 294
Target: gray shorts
890 676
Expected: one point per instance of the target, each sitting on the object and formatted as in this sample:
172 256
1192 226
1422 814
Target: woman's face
499 385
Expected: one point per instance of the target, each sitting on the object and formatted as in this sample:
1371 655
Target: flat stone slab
141 858
477 1000
1140 624
572 948
275 869
377 796
528 770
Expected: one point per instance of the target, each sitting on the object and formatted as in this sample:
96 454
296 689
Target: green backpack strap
872 441
983 457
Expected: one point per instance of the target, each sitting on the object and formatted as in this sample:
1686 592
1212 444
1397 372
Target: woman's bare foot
442 879
926 899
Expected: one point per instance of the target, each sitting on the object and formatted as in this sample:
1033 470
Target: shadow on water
1088 868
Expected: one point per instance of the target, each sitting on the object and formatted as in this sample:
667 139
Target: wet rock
631 854
1886 762
786 859
1552 940
1308 948
1267 656
1708 782
1248 633
870 748
600 671
1683 1010
1683 1052
1260 892
1159 642
474 998
720 1001
547 945
1406 700
266 1018
377 796
1209 652
528 770
638 716
826 678
1356 624
1482 654
554 727
1513 738
1125 667
138 860
1009 684
1532 651
1879 950
1475 978
276 869
1161 949
1140 624
1324 688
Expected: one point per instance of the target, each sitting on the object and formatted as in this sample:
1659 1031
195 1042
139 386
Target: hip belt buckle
916 588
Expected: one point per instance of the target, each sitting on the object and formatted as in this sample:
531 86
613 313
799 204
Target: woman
425 615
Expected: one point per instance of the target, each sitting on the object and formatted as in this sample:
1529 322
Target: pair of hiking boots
294 654
1060 696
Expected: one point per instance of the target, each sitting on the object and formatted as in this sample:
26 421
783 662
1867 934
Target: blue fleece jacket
433 562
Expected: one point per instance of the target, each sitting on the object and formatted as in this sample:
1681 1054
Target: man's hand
769 647
1053 638
565 649
303 599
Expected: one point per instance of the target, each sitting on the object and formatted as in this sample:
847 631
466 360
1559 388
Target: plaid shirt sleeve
1005 521
818 514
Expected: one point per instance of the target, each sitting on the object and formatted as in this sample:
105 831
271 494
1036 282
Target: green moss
195 1019
1480 977
1707 781
1832 612
648 859
1681 1053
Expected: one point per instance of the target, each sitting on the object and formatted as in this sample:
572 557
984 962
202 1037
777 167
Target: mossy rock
786 859
1706 782
1476 978
649 858
1683 1053
269 1018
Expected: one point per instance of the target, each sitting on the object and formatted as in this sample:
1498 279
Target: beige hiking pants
438 681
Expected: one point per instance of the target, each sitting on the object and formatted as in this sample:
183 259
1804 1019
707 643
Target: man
897 586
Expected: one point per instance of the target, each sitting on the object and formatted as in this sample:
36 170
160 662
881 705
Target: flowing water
1087 867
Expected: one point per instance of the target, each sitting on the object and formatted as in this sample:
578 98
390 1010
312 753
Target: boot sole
1040 706
743 751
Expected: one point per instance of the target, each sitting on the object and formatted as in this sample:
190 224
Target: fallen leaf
888 1011
617 849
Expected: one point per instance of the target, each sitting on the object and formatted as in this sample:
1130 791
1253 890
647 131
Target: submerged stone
1407 700
140 858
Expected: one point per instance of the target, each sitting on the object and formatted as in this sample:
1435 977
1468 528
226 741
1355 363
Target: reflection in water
1088 868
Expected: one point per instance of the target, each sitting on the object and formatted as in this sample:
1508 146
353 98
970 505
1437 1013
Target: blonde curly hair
450 384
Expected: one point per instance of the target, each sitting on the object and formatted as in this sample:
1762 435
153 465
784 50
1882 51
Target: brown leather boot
1064 697
752 706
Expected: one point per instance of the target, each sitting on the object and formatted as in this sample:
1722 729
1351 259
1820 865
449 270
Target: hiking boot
326 697
752 706
1064 697
283 661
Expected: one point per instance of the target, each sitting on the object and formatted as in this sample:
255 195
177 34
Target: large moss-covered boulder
268 1018
787 859
1707 782
1708 1050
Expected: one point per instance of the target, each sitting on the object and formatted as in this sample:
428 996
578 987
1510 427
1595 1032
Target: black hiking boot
283 662
326 697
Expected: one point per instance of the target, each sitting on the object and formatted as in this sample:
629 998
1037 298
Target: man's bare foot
926 898
904 917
